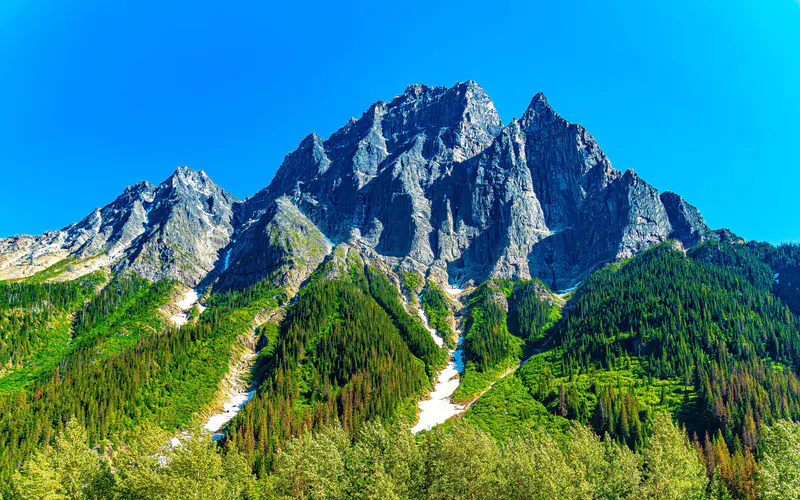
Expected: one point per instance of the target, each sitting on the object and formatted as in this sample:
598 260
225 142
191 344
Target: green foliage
437 309
494 341
387 461
715 328
508 408
488 341
339 355
415 335
35 322
784 261
779 464
530 314
413 282
149 466
152 466
121 313
51 272
68 469
671 466
163 377
460 461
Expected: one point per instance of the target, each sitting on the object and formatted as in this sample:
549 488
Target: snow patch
422 316
777 277
147 216
453 290
231 408
189 300
561 293
228 255
439 405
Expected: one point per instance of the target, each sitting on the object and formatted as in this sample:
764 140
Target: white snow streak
228 255
231 408
439 406
439 341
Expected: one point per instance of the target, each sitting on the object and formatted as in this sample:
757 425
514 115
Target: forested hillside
699 334
668 375
35 326
128 366
347 352
503 317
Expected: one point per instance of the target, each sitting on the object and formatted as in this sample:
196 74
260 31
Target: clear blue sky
698 97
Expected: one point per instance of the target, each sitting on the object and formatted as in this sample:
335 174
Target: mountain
431 182
173 230
594 337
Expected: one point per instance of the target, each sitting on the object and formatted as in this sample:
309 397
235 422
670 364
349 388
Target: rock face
187 226
282 245
688 225
175 230
94 242
431 182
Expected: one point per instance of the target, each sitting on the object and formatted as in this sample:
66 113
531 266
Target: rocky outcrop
433 183
283 245
174 230
688 225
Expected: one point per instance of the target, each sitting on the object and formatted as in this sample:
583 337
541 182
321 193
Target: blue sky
700 98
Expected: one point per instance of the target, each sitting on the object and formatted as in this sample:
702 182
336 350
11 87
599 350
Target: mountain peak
139 187
539 107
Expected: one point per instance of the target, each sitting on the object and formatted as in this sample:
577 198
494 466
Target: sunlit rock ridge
431 182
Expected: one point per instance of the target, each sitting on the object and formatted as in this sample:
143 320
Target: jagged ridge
430 182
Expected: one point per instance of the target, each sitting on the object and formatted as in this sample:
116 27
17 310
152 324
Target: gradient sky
698 97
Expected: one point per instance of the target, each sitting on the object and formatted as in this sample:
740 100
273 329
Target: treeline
503 316
339 356
709 321
125 308
531 310
488 341
784 260
456 461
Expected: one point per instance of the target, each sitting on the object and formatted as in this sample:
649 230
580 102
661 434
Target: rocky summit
431 182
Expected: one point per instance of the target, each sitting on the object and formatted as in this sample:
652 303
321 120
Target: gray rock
688 225
189 223
96 241
431 182
283 246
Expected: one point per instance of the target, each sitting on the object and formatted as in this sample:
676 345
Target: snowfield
439 340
